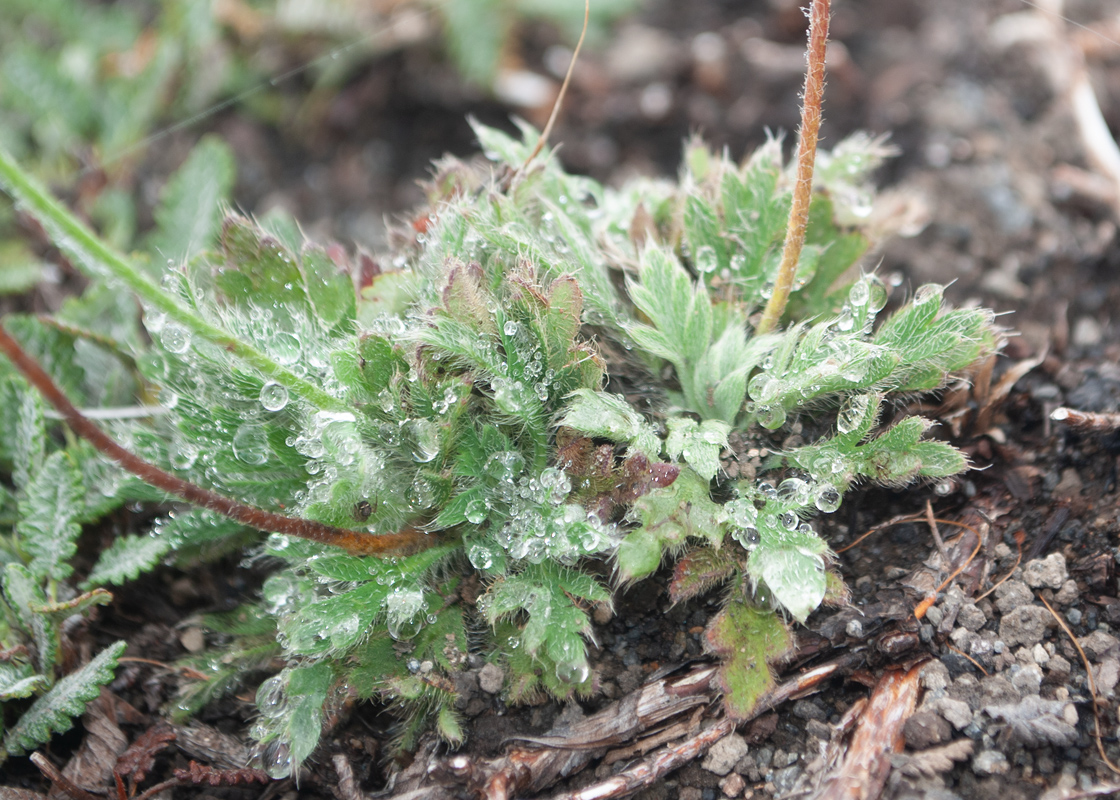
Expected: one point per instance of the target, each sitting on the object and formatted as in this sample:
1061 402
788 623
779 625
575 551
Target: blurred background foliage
88 89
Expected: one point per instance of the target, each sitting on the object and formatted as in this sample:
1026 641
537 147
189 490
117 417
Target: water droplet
706 259
788 519
845 322
929 293
793 490
827 498
480 557
405 613
514 642
476 512
768 491
511 328
175 338
182 455
573 672
877 295
420 494
250 444
284 348
852 413
277 759
423 439
945 487
859 294
771 417
750 537
271 695
274 396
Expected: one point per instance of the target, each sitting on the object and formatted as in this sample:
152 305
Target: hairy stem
353 542
99 260
806 155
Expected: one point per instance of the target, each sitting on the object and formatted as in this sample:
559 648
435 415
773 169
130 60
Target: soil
993 192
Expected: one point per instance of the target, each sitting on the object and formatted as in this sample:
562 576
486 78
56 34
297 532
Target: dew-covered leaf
48 530
54 711
791 564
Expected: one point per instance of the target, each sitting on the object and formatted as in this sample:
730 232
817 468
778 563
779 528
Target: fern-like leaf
47 529
54 712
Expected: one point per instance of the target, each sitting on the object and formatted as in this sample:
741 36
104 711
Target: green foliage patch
461 398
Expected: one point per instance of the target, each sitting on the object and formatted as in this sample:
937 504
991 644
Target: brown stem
354 542
806 155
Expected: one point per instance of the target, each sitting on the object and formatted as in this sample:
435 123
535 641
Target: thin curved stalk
806 155
354 542
99 260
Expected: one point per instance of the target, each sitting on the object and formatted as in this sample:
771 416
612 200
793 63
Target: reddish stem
354 542
806 155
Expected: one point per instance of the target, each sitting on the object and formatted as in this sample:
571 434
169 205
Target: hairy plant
439 438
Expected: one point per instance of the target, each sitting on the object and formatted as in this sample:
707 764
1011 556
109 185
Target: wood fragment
866 764
525 771
1093 422
57 779
347 785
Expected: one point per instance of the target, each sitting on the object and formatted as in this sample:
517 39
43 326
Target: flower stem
806 155
98 260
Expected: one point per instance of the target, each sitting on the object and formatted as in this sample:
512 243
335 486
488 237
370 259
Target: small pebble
1067 594
1012 594
490 678
1073 616
1046 573
971 617
732 785
724 754
990 762
926 729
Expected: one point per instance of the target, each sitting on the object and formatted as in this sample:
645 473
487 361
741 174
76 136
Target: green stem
806 155
99 260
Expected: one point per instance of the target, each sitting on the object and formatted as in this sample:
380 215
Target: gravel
725 754
1046 573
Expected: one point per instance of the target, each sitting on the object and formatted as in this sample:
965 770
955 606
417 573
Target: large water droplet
423 436
793 490
827 498
476 512
277 759
929 293
480 557
750 537
175 338
859 294
271 695
573 672
706 259
511 328
250 444
852 413
273 396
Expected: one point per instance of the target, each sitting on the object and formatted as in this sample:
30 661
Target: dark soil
993 193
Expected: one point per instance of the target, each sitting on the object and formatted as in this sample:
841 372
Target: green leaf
792 566
189 214
23 594
746 639
47 529
667 518
127 558
699 571
307 692
18 681
54 712
475 31
699 444
609 416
